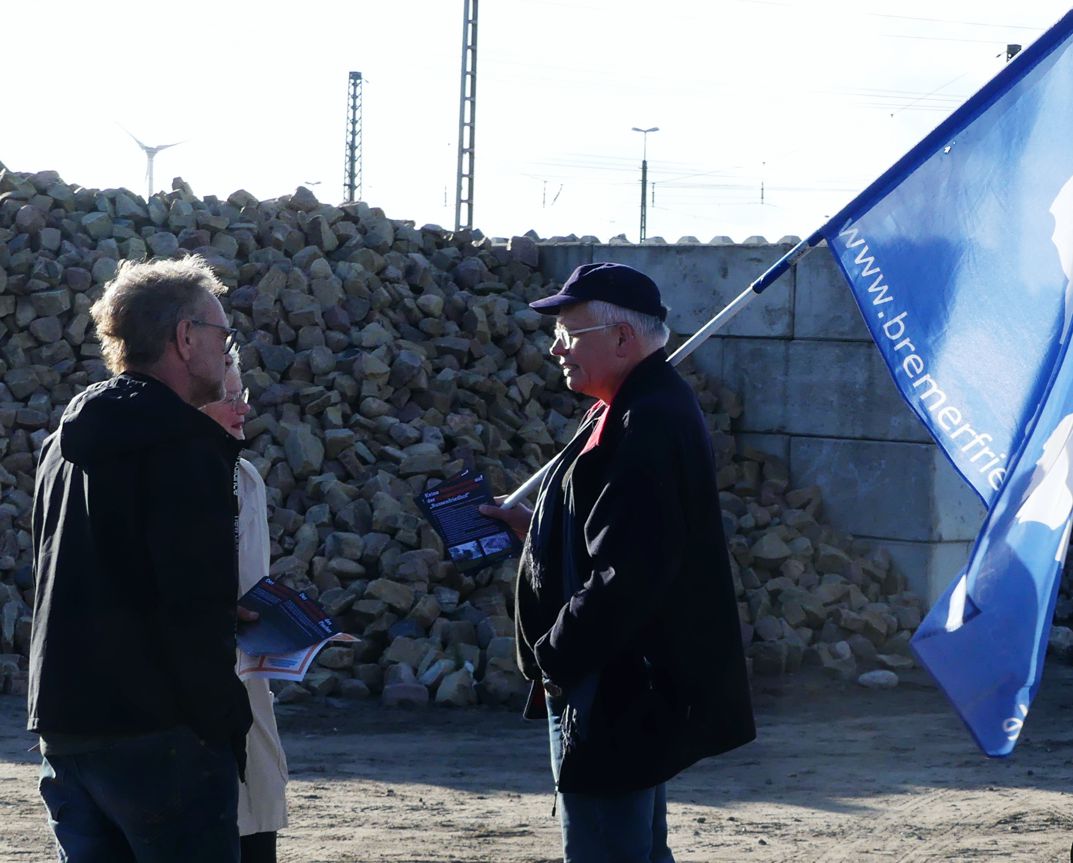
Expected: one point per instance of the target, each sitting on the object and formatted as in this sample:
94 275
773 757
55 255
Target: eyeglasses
232 332
569 338
237 401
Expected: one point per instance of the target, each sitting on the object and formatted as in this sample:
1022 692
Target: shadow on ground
821 745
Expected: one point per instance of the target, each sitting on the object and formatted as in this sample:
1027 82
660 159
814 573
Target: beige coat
262 802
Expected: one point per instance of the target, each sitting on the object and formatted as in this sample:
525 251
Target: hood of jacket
126 413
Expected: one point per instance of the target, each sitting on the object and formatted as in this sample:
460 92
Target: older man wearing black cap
625 613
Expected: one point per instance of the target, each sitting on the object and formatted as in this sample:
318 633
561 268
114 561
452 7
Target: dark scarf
548 522
549 544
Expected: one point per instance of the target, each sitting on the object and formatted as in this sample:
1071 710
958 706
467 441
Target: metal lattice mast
352 174
467 111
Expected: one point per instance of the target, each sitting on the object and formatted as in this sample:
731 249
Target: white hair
648 328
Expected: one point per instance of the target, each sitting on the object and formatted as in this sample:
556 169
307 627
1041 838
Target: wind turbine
150 154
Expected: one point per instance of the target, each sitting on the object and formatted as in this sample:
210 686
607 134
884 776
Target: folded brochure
289 620
472 540
289 632
285 666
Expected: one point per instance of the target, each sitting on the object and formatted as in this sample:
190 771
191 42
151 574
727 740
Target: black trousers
259 848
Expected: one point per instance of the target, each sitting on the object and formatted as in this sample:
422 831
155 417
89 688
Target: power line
954 21
995 41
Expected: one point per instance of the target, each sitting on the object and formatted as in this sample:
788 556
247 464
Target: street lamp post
644 174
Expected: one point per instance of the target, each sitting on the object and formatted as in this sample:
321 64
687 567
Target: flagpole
766 279
743 299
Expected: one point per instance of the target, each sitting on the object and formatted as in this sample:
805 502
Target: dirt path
838 775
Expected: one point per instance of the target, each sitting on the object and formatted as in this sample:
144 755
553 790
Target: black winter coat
654 627
135 567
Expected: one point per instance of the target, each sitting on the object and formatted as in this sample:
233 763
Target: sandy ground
837 774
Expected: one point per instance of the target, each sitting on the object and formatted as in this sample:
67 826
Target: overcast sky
772 113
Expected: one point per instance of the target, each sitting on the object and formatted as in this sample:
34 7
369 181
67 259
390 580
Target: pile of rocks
382 358
808 594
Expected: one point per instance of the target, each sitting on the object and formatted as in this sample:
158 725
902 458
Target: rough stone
399 597
336 656
770 551
1060 642
404 695
457 689
305 453
293 693
879 679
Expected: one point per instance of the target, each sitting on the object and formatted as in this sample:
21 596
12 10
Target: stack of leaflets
290 631
472 540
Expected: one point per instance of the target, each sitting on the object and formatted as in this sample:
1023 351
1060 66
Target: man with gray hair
625 614
132 691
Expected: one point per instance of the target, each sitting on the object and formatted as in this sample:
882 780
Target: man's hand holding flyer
472 540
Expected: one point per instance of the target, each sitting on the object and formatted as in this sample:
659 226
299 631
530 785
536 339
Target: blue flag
985 640
961 260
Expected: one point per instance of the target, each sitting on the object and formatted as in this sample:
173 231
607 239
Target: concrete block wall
816 392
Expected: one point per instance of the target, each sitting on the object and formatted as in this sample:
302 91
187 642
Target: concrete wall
816 392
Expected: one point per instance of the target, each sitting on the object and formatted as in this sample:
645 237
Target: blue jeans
165 797
619 828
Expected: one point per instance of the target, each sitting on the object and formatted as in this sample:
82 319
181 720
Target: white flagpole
725 315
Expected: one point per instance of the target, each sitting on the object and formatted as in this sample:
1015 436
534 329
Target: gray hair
650 329
137 315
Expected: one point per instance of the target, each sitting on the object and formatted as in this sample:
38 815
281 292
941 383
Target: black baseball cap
612 283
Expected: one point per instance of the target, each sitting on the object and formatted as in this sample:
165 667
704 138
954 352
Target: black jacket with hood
625 596
135 568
